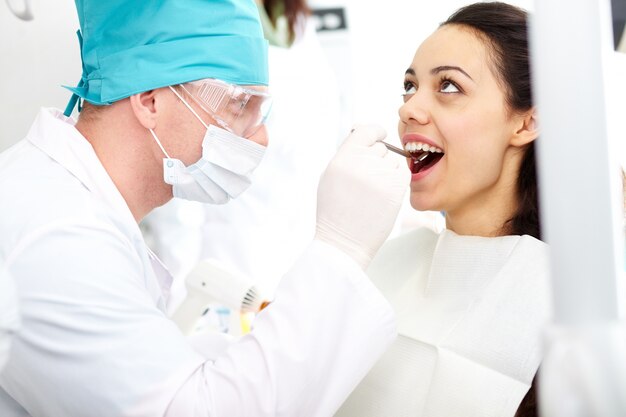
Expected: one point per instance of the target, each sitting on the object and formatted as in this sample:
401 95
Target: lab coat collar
55 135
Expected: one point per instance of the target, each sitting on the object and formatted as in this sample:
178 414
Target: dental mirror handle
417 158
397 150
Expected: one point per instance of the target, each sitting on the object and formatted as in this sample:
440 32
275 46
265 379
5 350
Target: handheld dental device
209 282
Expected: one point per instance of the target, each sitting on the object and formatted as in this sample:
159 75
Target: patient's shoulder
408 245
400 258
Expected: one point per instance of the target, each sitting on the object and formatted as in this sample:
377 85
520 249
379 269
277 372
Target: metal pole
583 369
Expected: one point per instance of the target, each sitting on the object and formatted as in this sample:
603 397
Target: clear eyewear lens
237 109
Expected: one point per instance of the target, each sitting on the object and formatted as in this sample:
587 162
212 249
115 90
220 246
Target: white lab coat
95 340
263 231
471 311
9 317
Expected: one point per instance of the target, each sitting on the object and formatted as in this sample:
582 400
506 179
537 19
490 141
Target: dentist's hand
360 193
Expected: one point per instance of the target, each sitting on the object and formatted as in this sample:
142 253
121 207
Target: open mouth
423 156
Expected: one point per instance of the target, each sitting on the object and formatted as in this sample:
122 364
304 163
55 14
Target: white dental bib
470 315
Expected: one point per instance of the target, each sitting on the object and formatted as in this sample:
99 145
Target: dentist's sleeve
325 329
9 319
328 324
94 344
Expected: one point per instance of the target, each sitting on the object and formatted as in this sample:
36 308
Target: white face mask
222 173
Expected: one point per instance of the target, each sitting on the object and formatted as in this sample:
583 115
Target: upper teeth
419 146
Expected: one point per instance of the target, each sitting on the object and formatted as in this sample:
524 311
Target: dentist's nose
261 136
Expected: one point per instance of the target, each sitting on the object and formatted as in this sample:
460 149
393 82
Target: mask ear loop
189 107
159 143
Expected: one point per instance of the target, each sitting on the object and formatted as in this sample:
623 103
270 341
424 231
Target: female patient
472 300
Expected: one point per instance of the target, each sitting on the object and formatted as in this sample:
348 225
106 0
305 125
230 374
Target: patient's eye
447 86
409 90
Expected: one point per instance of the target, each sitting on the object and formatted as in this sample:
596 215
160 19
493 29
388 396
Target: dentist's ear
528 129
144 108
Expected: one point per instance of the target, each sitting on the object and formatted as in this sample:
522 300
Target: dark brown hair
504 28
291 9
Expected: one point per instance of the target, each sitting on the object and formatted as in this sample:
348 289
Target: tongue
429 161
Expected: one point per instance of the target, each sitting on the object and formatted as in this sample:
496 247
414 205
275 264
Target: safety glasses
237 109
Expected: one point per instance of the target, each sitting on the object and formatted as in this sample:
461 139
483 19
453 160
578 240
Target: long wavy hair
291 9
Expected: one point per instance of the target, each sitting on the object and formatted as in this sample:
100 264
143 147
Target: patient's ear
527 129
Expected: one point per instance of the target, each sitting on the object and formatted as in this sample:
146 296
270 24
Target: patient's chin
420 202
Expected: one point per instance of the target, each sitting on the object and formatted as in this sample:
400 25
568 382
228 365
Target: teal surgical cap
131 46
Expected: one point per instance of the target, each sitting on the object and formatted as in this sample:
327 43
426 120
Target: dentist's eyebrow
410 71
437 70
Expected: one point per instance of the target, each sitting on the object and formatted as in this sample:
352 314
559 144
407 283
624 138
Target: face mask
222 173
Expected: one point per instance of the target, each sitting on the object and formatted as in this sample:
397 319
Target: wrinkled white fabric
470 315
9 317
95 339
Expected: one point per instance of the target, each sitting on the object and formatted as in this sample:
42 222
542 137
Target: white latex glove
360 193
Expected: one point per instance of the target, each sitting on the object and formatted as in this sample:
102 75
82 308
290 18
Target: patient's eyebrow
439 69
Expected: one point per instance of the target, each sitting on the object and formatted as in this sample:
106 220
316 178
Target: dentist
174 100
